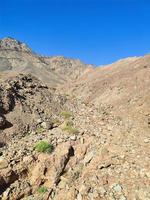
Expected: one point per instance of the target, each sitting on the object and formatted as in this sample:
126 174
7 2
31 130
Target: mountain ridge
18 57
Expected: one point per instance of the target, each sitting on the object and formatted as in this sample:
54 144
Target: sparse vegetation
44 147
70 129
56 121
42 190
66 114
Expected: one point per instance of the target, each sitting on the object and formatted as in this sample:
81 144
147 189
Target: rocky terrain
76 133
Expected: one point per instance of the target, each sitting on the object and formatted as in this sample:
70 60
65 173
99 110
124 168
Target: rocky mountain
123 85
86 139
17 57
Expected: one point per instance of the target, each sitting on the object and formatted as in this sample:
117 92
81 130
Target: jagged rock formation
14 45
98 126
17 57
24 103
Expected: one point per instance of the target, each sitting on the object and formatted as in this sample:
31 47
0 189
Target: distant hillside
16 57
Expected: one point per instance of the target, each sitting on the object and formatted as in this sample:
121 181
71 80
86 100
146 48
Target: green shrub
70 129
42 190
66 114
44 147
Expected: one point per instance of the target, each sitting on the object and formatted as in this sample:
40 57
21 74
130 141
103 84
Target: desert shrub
44 147
70 129
42 190
66 114
56 121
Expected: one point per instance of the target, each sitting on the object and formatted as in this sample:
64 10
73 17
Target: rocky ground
87 140
99 158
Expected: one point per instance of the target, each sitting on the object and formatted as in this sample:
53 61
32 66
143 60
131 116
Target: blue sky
95 31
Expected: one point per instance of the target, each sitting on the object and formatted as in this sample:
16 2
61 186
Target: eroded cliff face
24 100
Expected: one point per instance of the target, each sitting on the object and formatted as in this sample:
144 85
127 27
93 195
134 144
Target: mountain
123 85
86 139
17 57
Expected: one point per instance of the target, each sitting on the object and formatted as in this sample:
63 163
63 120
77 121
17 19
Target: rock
148 174
122 197
47 125
44 125
63 183
82 140
79 196
3 163
102 191
17 190
83 189
88 157
63 162
39 121
73 137
146 140
27 160
95 194
6 194
37 174
117 188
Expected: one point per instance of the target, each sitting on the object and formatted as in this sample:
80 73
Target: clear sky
95 31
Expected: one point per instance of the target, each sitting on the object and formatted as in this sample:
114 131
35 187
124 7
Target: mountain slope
17 57
87 139
123 85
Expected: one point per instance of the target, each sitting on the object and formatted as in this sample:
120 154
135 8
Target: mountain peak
9 43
